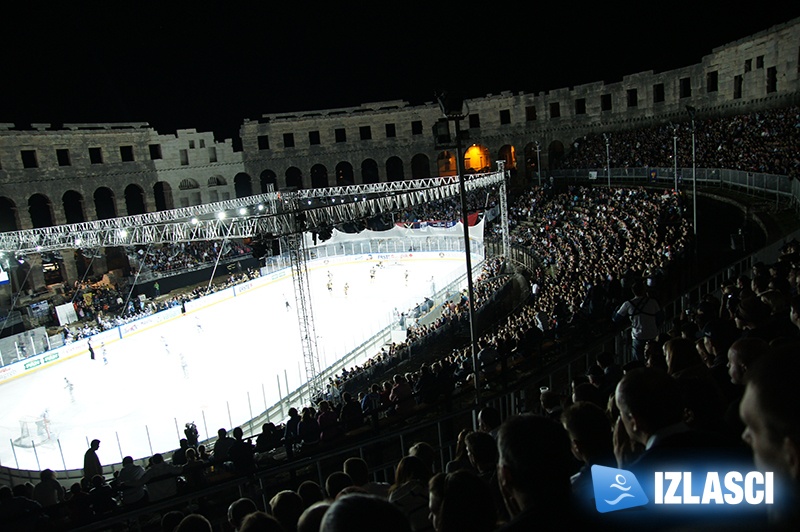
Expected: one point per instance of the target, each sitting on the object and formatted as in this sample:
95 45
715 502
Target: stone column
69 270
99 264
36 276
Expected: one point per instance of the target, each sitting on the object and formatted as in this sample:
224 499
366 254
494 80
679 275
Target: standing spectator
179 456
241 453
401 396
290 432
91 463
645 316
223 446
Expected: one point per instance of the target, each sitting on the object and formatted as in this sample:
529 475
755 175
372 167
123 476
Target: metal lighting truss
270 213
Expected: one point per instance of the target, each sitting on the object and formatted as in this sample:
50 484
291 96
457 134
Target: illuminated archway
477 159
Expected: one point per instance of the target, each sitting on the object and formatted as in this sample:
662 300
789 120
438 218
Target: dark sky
211 67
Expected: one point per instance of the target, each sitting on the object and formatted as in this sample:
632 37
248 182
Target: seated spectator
160 479
683 360
238 510
769 411
336 482
194 523
589 432
311 518
482 452
263 522
287 506
48 492
489 420
410 491
310 492
534 469
78 505
269 438
123 483
194 471
461 501
102 496
358 471
425 452
461 459
360 513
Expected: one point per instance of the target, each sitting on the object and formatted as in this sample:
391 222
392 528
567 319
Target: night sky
211 67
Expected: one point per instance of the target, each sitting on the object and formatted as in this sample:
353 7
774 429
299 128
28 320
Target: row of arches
477 158
103 203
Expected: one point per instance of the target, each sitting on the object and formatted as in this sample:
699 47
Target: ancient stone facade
88 172
393 140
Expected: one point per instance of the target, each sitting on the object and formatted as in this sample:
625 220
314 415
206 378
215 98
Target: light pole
675 154
608 159
691 110
538 163
452 107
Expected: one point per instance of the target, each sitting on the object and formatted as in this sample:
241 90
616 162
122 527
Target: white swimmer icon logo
616 489
620 485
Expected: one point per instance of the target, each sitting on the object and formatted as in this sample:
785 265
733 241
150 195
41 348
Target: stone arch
162 191
40 209
243 185
344 174
369 171
134 200
294 177
9 216
72 202
268 177
394 169
555 154
446 164
188 184
216 181
508 154
105 203
477 159
319 176
420 166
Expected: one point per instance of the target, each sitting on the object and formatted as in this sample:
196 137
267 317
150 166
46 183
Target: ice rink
217 366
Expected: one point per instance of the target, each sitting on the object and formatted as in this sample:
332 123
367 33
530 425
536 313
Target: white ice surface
214 366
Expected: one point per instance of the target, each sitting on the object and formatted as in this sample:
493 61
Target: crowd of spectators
590 243
168 259
762 141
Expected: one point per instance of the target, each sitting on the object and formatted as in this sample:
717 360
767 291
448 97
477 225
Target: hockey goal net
33 430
